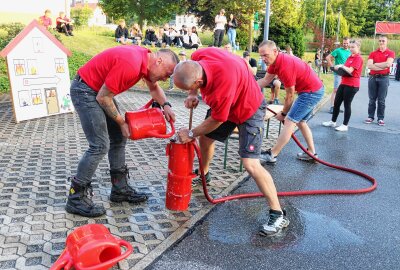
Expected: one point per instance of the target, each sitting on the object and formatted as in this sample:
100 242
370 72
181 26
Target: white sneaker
276 223
329 124
342 128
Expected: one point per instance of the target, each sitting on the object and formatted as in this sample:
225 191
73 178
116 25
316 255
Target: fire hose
287 193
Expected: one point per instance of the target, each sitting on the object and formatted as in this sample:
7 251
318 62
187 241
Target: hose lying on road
289 193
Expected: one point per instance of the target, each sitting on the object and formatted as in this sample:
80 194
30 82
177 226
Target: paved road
326 232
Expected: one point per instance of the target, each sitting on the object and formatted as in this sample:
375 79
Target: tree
152 11
81 15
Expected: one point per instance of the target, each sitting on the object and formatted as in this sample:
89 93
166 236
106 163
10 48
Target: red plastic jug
92 247
148 123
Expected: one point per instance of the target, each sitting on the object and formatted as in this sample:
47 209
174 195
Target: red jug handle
63 262
110 263
147 105
163 136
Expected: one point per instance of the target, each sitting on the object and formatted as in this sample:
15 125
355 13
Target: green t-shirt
340 55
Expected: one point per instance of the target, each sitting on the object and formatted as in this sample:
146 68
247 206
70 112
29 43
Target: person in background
182 32
93 89
317 59
121 33
379 63
232 25
150 37
252 63
228 47
348 87
190 40
45 20
194 30
220 22
289 50
340 56
136 34
64 24
324 61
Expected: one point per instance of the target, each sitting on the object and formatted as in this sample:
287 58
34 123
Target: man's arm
372 66
159 96
205 127
330 60
288 103
105 99
387 64
263 82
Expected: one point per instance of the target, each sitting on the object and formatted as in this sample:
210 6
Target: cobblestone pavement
37 156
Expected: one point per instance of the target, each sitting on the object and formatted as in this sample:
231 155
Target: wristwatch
190 134
165 104
284 114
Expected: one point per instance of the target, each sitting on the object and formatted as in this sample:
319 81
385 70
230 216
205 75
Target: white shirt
220 22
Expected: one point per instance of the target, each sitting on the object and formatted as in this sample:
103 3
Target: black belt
79 79
379 75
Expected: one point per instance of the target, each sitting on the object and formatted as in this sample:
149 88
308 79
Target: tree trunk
250 44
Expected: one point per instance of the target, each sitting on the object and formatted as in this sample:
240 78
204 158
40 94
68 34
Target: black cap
246 53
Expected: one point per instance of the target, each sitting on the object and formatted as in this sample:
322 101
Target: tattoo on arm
107 103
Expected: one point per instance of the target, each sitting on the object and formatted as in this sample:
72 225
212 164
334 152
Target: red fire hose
290 193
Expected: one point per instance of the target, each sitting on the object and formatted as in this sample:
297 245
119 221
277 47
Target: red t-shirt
292 71
231 90
58 21
378 57
119 68
45 21
356 62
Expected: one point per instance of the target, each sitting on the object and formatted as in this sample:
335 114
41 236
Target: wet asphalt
326 232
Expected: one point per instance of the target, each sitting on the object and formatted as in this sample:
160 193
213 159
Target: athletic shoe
342 128
275 224
197 181
381 123
304 156
276 101
368 120
267 157
329 124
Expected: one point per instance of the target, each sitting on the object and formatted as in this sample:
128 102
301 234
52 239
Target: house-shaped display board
38 72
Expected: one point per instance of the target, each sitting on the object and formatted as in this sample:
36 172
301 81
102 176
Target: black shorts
250 133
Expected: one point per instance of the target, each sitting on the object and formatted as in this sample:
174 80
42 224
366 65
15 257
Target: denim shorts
304 105
336 81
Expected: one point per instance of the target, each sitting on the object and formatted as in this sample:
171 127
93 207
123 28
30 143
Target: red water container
92 247
148 123
180 175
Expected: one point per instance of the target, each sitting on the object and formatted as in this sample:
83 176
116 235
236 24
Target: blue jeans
377 90
232 37
102 133
303 106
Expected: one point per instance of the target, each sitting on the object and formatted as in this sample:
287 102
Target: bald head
187 73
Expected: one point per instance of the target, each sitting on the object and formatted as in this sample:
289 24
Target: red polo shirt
119 68
378 57
231 90
356 62
292 71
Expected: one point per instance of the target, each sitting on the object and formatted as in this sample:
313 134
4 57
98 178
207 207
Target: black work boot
80 201
121 191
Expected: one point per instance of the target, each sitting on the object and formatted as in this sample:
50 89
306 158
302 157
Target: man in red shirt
298 77
379 63
45 20
106 75
228 87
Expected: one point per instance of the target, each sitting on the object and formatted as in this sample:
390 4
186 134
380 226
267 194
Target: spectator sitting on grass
190 40
121 33
45 20
136 34
64 24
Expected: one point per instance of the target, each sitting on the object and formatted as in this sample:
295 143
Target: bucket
92 247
